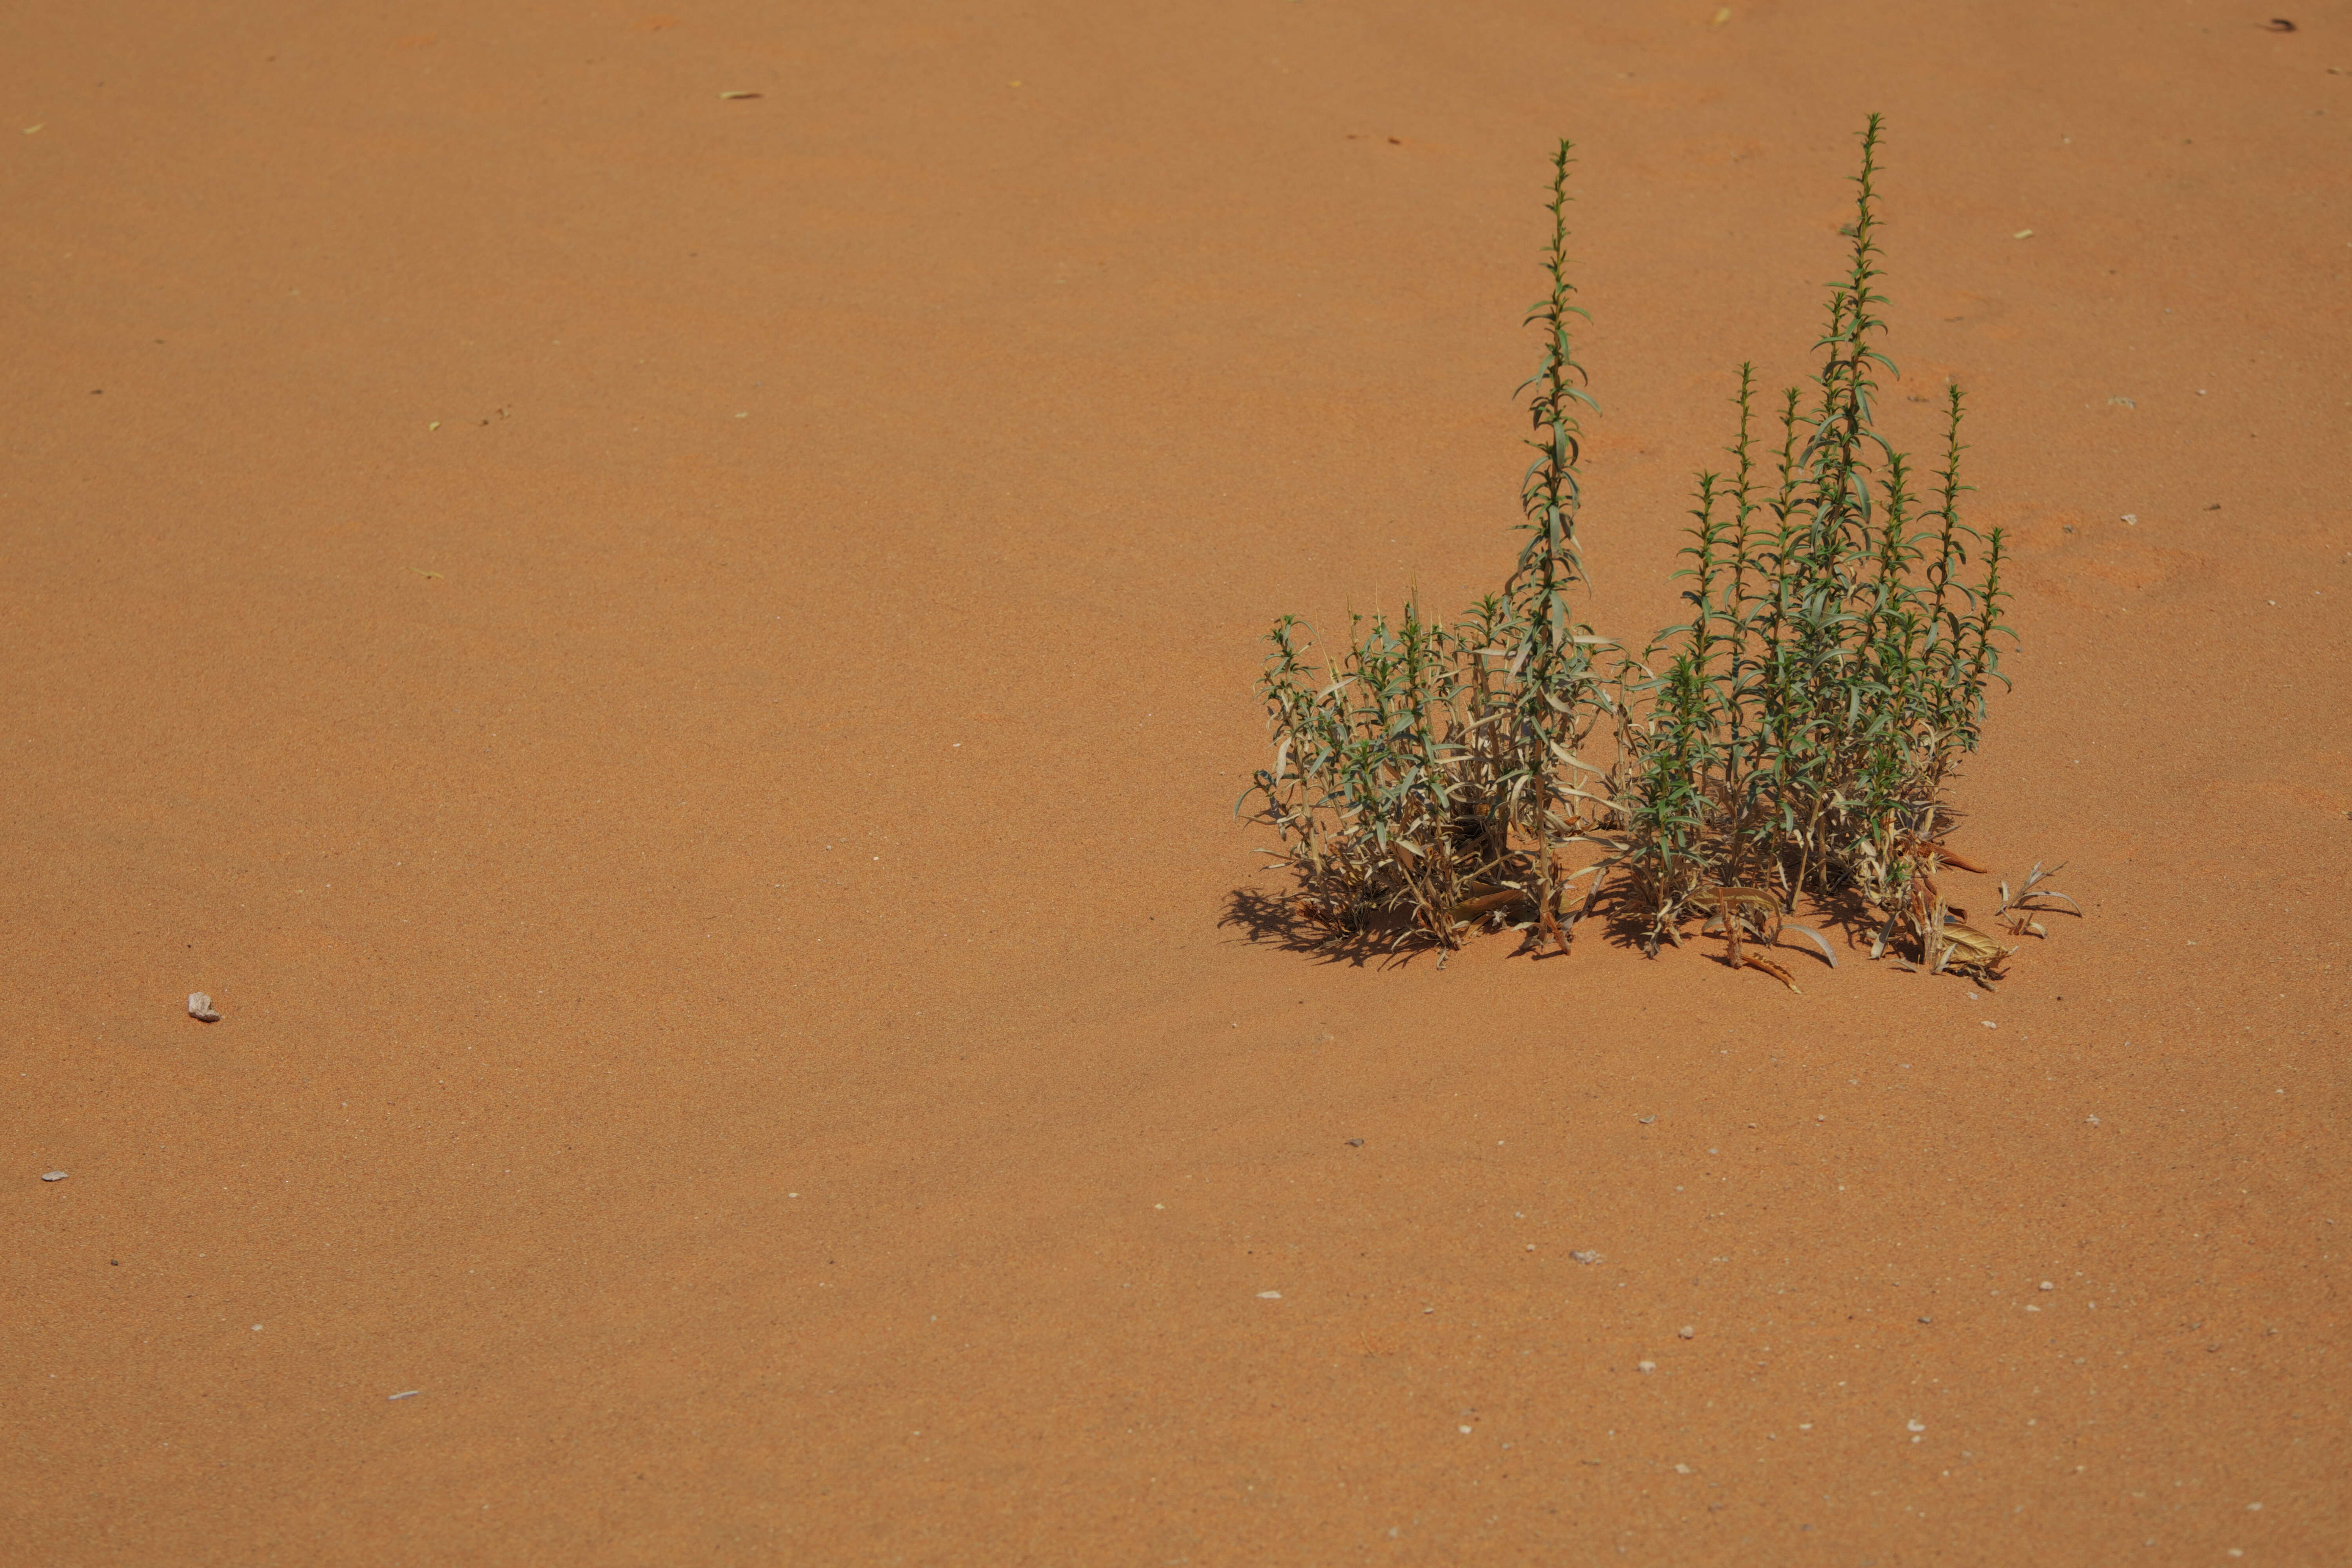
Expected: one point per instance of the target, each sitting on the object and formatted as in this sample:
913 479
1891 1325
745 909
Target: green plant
1809 714
1795 737
1427 777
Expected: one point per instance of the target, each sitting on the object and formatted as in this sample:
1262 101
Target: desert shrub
1795 737
1428 776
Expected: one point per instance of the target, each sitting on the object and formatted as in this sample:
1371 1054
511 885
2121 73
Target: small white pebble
1464 1430
53 1175
1645 1366
1531 1246
1269 1295
2253 1508
1682 1469
1914 1424
257 1328
200 1007
2046 1285
1991 1024
1585 1255
409 1393
2131 517
1688 1331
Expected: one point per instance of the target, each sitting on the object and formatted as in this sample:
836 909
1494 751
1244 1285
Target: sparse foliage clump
1794 738
1428 776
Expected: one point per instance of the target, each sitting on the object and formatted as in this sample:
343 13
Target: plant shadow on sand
1280 920
1276 920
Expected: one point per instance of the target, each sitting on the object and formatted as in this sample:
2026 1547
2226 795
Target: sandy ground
678 667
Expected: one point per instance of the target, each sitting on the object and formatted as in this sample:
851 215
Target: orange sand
715 859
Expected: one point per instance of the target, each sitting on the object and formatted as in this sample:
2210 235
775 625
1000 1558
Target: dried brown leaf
1959 862
1968 951
1469 909
1548 929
